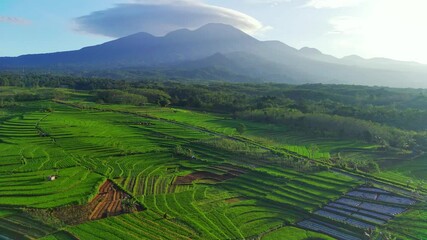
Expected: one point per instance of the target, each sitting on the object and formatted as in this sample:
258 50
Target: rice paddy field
80 170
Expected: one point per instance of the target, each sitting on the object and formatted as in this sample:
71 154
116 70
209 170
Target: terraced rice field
21 226
102 158
74 185
364 207
293 233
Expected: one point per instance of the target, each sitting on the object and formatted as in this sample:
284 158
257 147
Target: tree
130 204
408 183
388 236
241 128
420 186
371 234
120 97
369 166
185 152
164 102
313 150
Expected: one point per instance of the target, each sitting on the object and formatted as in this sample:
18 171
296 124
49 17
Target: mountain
223 52
143 49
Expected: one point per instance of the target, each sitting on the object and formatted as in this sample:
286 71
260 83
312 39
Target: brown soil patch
234 200
110 201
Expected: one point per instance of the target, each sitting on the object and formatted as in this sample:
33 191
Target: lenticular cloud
161 17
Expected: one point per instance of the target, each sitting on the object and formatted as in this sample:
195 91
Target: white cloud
14 20
262 33
269 2
162 16
346 25
332 3
391 29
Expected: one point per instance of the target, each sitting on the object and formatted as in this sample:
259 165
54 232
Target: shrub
119 97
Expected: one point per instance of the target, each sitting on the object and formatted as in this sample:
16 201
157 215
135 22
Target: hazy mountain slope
223 48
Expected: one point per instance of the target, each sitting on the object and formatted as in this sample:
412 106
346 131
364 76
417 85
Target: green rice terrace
75 167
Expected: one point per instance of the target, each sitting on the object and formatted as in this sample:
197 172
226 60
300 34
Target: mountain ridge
265 59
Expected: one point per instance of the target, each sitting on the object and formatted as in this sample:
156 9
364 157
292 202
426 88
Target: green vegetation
292 233
412 224
32 189
119 97
214 161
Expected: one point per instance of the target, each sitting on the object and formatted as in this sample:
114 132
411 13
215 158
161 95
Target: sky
394 29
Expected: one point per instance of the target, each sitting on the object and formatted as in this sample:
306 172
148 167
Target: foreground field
163 173
293 233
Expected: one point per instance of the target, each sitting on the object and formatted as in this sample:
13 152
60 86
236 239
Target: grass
61 235
412 225
21 226
271 134
293 233
32 189
409 169
5 213
145 225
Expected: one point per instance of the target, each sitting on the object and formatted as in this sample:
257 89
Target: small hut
52 178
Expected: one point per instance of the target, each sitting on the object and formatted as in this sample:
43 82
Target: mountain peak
310 51
222 30
140 35
211 32
353 58
179 32
217 27
131 40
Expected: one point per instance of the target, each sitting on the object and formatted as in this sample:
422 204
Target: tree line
386 116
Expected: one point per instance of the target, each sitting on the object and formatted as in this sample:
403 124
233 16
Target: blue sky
369 28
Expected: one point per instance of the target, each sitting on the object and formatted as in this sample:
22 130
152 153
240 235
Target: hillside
241 56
